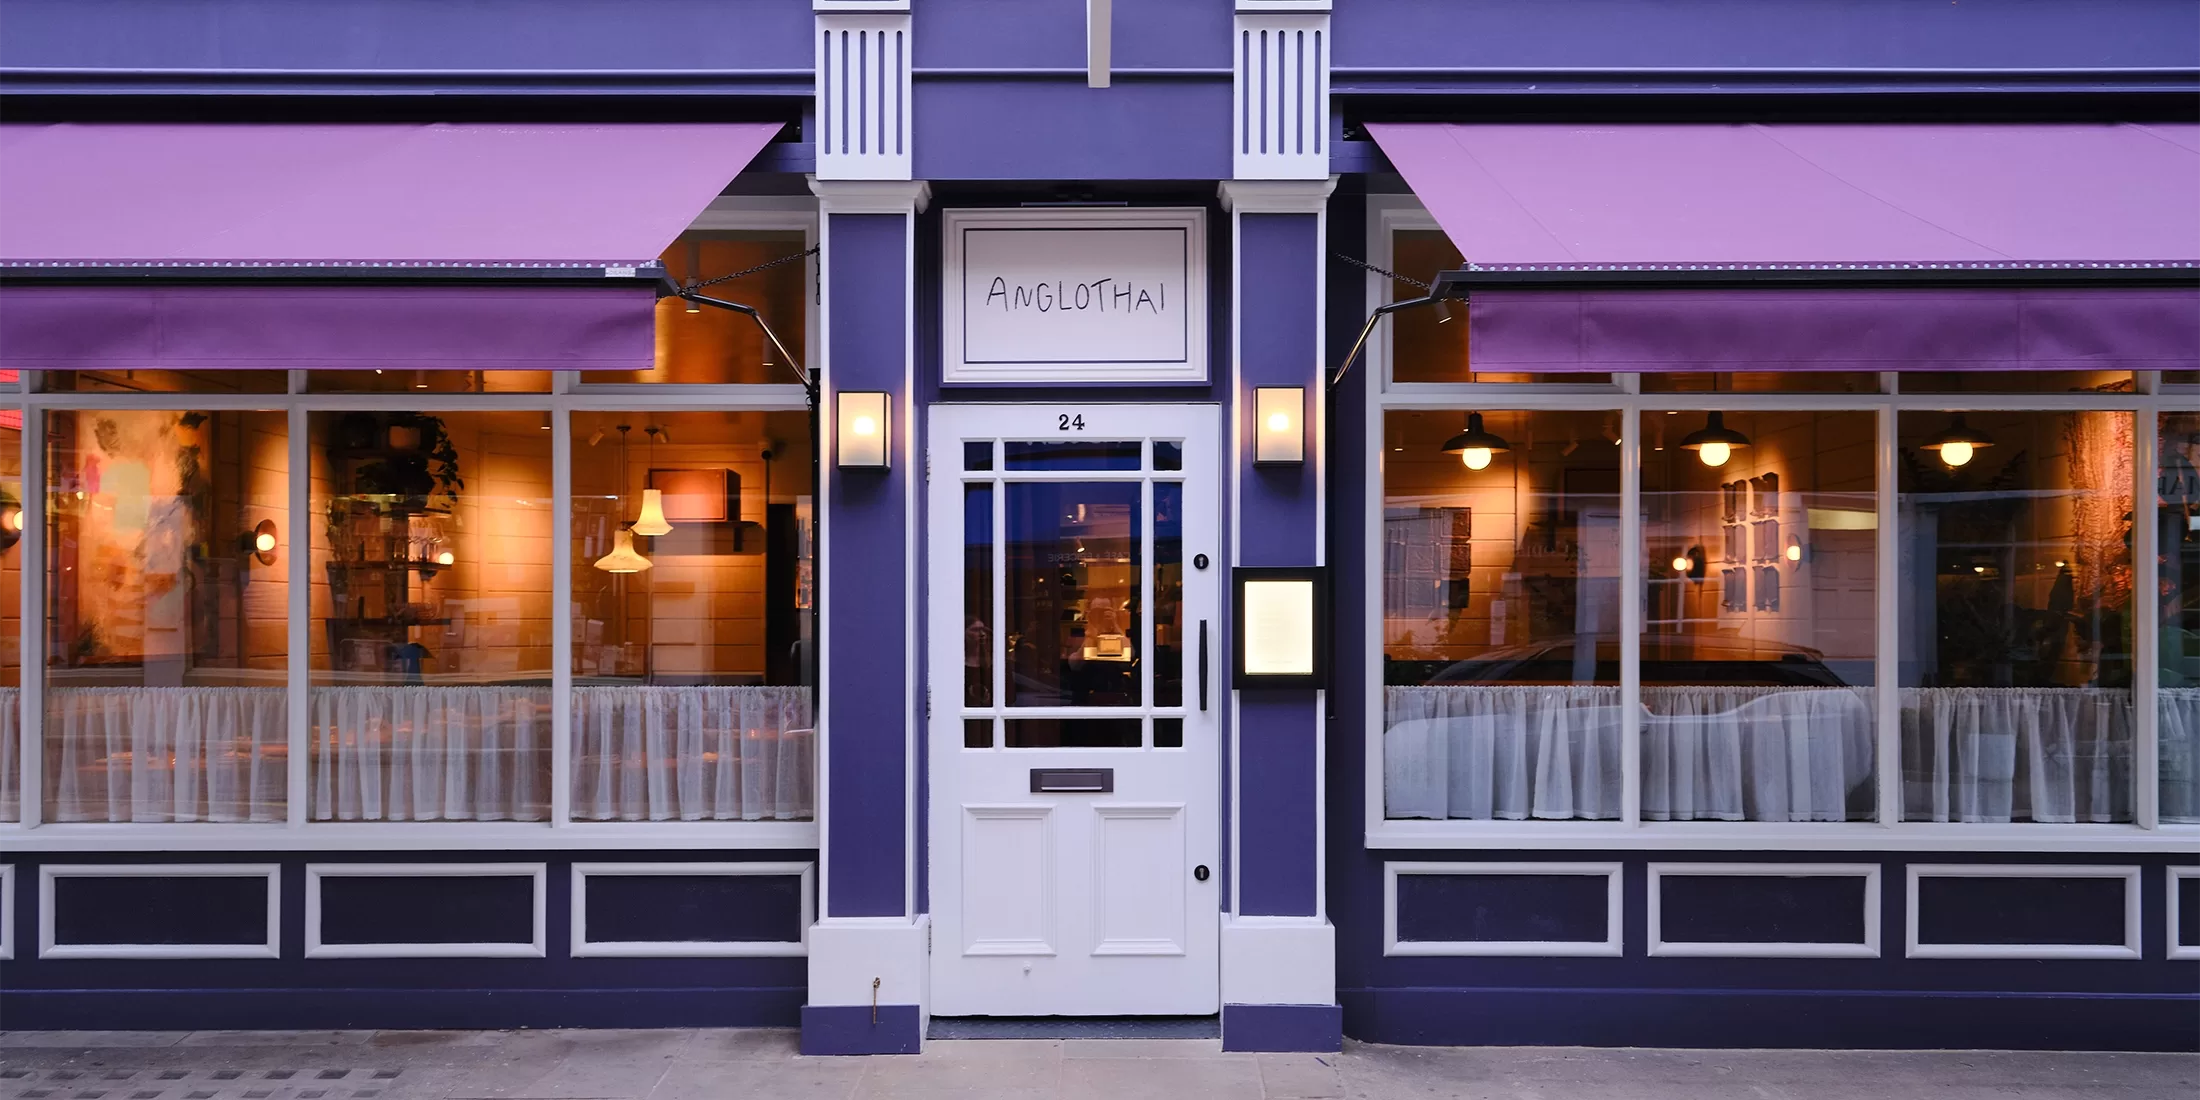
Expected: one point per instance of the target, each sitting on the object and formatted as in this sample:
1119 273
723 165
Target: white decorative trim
1728 836
958 368
871 196
583 947
2129 949
1276 196
1611 946
7 911
2177 949
1868 949
270 949
419 836
863 114
1279 110
315 949
1278 961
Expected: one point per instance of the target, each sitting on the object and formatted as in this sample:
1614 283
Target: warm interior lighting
1682 564
1714 443
263 542
1279 628
1476 446
445 557
866 432
1958 444
652 521
623 558
12 519
260 542
1281 413
1794 549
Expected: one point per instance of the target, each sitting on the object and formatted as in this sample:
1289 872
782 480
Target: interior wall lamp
1476 446
1690 563
864 435
1714 443
1281 621
1279 415
260 542
1959 444
11 522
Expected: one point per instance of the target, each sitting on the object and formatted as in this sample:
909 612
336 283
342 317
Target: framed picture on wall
697 496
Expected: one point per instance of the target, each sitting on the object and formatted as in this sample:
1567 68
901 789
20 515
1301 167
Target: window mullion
1632 596
1887 628
298 668
2147 639
31 656
561 616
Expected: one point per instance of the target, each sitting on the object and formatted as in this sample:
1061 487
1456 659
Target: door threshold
1075 1027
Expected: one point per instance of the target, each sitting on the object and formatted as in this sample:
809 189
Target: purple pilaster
1278 950
868 949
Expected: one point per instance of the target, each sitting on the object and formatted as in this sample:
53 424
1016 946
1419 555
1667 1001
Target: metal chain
1357 262
766 266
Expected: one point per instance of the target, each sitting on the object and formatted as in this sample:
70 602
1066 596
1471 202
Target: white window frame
1387 214
537 947
271 948
585 948
567 395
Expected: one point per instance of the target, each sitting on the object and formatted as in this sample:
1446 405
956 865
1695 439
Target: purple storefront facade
791 497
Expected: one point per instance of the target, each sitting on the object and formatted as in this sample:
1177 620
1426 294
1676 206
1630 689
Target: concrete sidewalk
713 1064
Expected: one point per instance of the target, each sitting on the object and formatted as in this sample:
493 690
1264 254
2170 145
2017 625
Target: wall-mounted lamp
1794 551
865 429
1958 444
1475 446
1689 563
1281 627
258 542
1279 416
1714 443
11 522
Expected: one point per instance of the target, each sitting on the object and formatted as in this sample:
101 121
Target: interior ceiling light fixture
1958 444
652 521
623 558
1714 443
1475 446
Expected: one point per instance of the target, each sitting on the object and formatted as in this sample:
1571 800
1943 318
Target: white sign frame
1173 243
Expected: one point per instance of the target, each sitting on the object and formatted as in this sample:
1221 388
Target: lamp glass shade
1279 425
623 558
1958 444
1714 443
652 520
864 429
1477 445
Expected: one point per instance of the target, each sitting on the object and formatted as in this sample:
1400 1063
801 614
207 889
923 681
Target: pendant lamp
1958 444
623 558
652 520
1475 446
1715 442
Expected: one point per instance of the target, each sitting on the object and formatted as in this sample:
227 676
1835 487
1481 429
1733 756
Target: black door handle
1203 664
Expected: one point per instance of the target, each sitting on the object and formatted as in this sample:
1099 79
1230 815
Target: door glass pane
1073 573
1168 733
1167 455
978 455
1082 454
977 733
1073 733
977 595
1168 594
2177 519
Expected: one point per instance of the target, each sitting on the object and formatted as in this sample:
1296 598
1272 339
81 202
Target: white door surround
1074 581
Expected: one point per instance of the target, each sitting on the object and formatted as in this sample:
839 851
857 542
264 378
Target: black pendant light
1958 443
1475 445
1714 443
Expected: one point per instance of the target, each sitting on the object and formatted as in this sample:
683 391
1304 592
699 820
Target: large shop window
698 344
1982 655
165 628
11 611
694 649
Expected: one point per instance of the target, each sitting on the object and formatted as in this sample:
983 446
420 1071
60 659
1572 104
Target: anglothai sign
1067 296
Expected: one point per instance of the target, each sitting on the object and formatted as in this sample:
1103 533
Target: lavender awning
502 203
1553 199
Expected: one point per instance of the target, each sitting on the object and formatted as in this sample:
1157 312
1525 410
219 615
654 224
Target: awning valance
266 207
1554 204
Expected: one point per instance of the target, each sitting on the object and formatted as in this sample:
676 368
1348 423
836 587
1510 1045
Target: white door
1074 580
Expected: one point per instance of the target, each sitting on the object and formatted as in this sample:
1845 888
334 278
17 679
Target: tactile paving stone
289 1083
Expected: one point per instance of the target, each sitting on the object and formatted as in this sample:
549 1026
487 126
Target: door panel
1061 604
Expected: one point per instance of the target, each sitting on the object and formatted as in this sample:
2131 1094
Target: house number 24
1068 422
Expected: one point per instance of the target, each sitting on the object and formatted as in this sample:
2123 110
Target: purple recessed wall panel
1050 34
866 596
577 36
1059 129
1748 34
1279 256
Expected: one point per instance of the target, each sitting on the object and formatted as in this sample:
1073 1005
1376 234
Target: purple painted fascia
1798 35
1279 260
1050 34
579 39
867 524
1059 129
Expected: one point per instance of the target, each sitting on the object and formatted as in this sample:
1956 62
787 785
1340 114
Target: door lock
1200 872
1199 561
